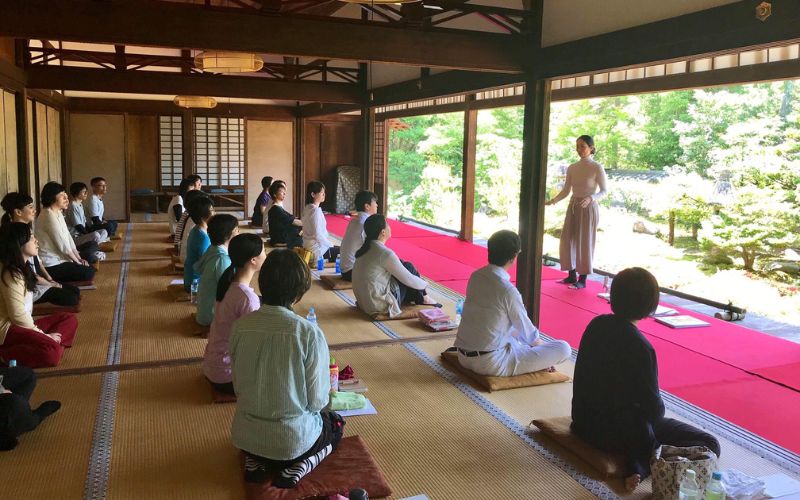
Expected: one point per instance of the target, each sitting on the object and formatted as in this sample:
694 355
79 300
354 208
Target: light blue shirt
210 268
196 245
282 382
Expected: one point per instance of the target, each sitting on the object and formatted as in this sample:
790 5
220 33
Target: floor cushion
335 282
492 384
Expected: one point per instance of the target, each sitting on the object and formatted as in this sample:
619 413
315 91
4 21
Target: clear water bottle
338 265
689 489
312 316
714 489
12 363
193 290
459 310
320 264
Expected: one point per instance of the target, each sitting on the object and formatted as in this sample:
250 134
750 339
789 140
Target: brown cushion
79 283
335 282
221 397
108 246
350 466
407 312
47 308
558 429
177 293
117 236
491 383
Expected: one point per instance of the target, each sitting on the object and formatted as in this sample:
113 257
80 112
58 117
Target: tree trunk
671 228
749 257
695 227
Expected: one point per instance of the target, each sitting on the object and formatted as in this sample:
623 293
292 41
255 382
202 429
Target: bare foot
631 482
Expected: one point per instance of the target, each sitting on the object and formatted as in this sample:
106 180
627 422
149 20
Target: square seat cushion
492 384
335 282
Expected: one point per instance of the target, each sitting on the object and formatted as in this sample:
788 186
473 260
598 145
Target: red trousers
35 350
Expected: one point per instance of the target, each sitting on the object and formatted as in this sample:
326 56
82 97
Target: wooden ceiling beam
441 84
708 31
152 82
143 107
185 26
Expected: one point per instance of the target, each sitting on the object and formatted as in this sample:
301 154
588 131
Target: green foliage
662 144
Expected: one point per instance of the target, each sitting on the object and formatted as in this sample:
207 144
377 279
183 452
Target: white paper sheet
369 409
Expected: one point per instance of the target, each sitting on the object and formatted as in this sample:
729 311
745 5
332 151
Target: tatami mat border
96 484
712 423
597 488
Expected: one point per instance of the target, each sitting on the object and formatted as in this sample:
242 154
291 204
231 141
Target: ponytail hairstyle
183 188
588 140
11 202
313 188
372 229
13 236
241 249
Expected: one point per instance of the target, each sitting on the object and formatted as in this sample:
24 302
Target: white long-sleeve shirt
493 313
56 245
353 239
372 277
315 231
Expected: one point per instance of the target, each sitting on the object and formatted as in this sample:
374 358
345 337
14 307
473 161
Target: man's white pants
517 358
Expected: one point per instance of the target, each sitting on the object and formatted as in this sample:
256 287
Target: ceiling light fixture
216 61
194 101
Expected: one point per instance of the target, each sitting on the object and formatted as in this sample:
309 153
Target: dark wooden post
468 172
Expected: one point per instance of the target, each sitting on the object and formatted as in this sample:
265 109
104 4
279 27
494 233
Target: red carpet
743 376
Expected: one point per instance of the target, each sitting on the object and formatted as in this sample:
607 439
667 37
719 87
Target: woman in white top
315 229
381 281
57 249
587 181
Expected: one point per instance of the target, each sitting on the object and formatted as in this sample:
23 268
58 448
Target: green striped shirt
282 381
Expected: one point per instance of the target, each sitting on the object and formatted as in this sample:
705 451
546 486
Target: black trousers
16 416
226 388
404 294
332 430
331 254
70 271
110 226
636 439
347 275
67 295
88 250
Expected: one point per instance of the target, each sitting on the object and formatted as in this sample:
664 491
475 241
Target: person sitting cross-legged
16 415
616 401
214 262
97 208
282 380
315 228
235 298
496 337
284 228
366 204
86 238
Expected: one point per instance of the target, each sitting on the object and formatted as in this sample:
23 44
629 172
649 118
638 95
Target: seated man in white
496 337
366 204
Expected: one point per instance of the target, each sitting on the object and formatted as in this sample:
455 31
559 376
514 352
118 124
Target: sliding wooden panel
142 151
4 166
54 143
43 163
97 148
269 152
12 167
33 186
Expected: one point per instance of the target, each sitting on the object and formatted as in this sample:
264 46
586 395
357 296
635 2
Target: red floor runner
735 373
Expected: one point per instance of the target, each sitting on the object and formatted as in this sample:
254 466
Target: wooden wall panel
4 166
54 144
142 151
7 49
337 148
97 148
12 159
43 167
270 151
33 187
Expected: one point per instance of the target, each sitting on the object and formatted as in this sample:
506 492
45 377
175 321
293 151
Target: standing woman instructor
587 181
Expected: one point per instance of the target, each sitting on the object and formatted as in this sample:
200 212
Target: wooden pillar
299 162
187 131
468 170
367 129
532 190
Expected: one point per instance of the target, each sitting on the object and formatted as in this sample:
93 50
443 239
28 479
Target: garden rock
645 228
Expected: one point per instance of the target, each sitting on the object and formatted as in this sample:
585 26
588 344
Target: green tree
662 144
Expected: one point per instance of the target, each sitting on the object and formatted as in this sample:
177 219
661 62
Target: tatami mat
52 461
170 441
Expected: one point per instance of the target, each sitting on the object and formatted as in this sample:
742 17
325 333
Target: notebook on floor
681 321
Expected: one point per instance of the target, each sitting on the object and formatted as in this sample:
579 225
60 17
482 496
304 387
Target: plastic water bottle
714 489
193 290
338 265
320 264
334 375
459 310
12 363
689 490
312 316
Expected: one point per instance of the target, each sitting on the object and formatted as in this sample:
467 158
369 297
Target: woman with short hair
282 379
616 401
57 249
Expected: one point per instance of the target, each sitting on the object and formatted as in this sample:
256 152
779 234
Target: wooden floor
137 419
